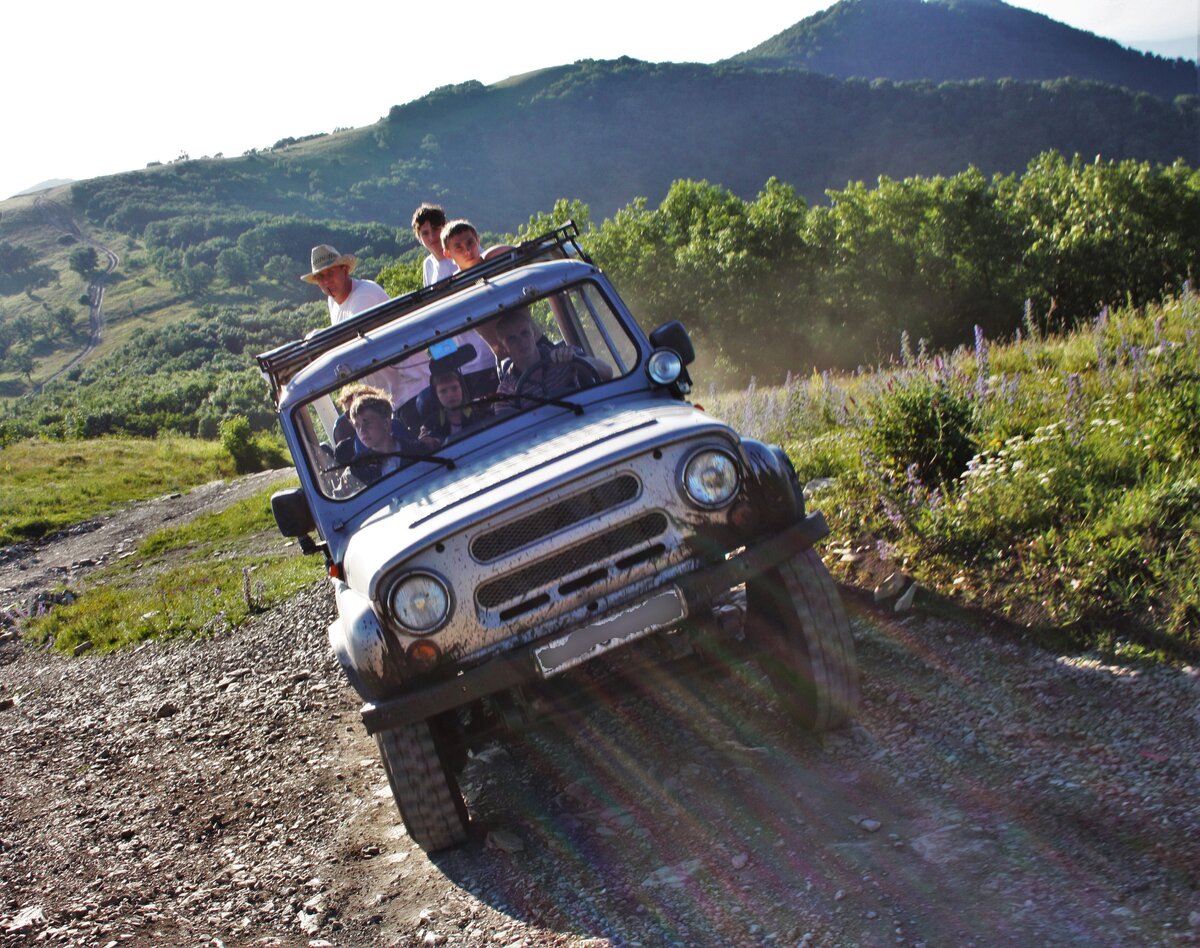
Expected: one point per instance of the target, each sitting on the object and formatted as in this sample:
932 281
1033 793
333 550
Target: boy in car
460 242
455 413
381 435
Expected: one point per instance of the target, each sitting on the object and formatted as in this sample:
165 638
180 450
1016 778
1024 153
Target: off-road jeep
486 578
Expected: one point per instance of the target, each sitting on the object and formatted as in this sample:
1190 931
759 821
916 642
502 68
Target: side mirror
672 335
292 514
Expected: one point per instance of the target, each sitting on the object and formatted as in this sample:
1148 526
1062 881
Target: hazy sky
108 87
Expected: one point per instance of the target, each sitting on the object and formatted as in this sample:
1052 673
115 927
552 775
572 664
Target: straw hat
324 257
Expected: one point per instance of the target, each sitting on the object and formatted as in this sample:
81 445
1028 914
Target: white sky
101 88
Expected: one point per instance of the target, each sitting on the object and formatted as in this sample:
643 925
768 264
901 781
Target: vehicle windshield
411 410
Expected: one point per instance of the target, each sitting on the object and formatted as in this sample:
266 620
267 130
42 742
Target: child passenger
460 242
455 413
382 437
427 223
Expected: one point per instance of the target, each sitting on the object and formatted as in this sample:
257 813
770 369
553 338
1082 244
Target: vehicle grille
512 536
598 550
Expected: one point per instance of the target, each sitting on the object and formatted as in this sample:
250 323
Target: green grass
191 580
242 518
1064 492
50 485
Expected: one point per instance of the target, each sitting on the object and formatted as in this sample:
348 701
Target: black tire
424 786
794 616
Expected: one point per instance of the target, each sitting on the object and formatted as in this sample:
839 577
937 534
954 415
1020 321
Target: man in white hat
347 296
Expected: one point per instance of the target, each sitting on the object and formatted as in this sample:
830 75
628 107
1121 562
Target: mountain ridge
948 40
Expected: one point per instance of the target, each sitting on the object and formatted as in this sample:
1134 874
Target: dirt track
223 791
59 216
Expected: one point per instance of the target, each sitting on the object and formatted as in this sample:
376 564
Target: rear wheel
794 616
424 785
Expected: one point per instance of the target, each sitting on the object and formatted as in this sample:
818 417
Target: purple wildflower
981 364
912 482
1075 409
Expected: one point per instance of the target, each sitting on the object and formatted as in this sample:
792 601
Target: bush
923 426
237 440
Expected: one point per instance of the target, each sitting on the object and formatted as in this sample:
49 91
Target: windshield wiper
447 463
536 399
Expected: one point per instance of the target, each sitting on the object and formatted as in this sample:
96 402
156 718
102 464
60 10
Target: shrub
237 440
923 427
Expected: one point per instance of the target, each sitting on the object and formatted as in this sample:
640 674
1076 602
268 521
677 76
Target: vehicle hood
551 459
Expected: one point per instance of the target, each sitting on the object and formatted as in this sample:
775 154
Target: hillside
945 40
608 132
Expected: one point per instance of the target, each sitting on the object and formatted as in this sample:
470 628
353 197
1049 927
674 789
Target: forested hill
944 40
608 132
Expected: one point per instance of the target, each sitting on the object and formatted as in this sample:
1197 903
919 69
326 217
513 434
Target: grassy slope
137 296
195 579
1052 481
506 143
49 485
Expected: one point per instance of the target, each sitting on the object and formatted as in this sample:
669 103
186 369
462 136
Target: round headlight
420 602
664 366
710 478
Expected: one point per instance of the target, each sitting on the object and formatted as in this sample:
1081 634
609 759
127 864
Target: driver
562 373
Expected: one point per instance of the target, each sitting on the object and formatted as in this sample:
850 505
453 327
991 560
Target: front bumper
661 610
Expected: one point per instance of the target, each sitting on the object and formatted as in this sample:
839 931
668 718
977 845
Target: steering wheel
585 374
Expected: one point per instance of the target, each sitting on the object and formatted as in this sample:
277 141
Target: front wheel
424 785
794 616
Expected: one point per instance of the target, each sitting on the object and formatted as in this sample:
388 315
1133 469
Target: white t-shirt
363 295
434 269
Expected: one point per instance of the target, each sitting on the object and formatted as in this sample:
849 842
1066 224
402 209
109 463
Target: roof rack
280 364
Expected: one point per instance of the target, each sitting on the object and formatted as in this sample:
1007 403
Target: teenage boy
460 242
427 223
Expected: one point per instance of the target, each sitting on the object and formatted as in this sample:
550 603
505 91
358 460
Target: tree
233 266
401 277
1102 231
16 257
21 360
564 210
64 321
84 261
196 279
282 271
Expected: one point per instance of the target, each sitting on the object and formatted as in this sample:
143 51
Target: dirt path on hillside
223 792
59 216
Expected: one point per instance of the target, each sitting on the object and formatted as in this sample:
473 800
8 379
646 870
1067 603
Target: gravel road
223 792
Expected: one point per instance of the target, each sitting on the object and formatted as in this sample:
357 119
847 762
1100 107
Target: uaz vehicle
588 509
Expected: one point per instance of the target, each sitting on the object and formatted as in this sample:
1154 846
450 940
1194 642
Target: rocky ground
224 792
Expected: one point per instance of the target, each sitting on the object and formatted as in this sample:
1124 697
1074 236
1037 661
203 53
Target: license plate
660 611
